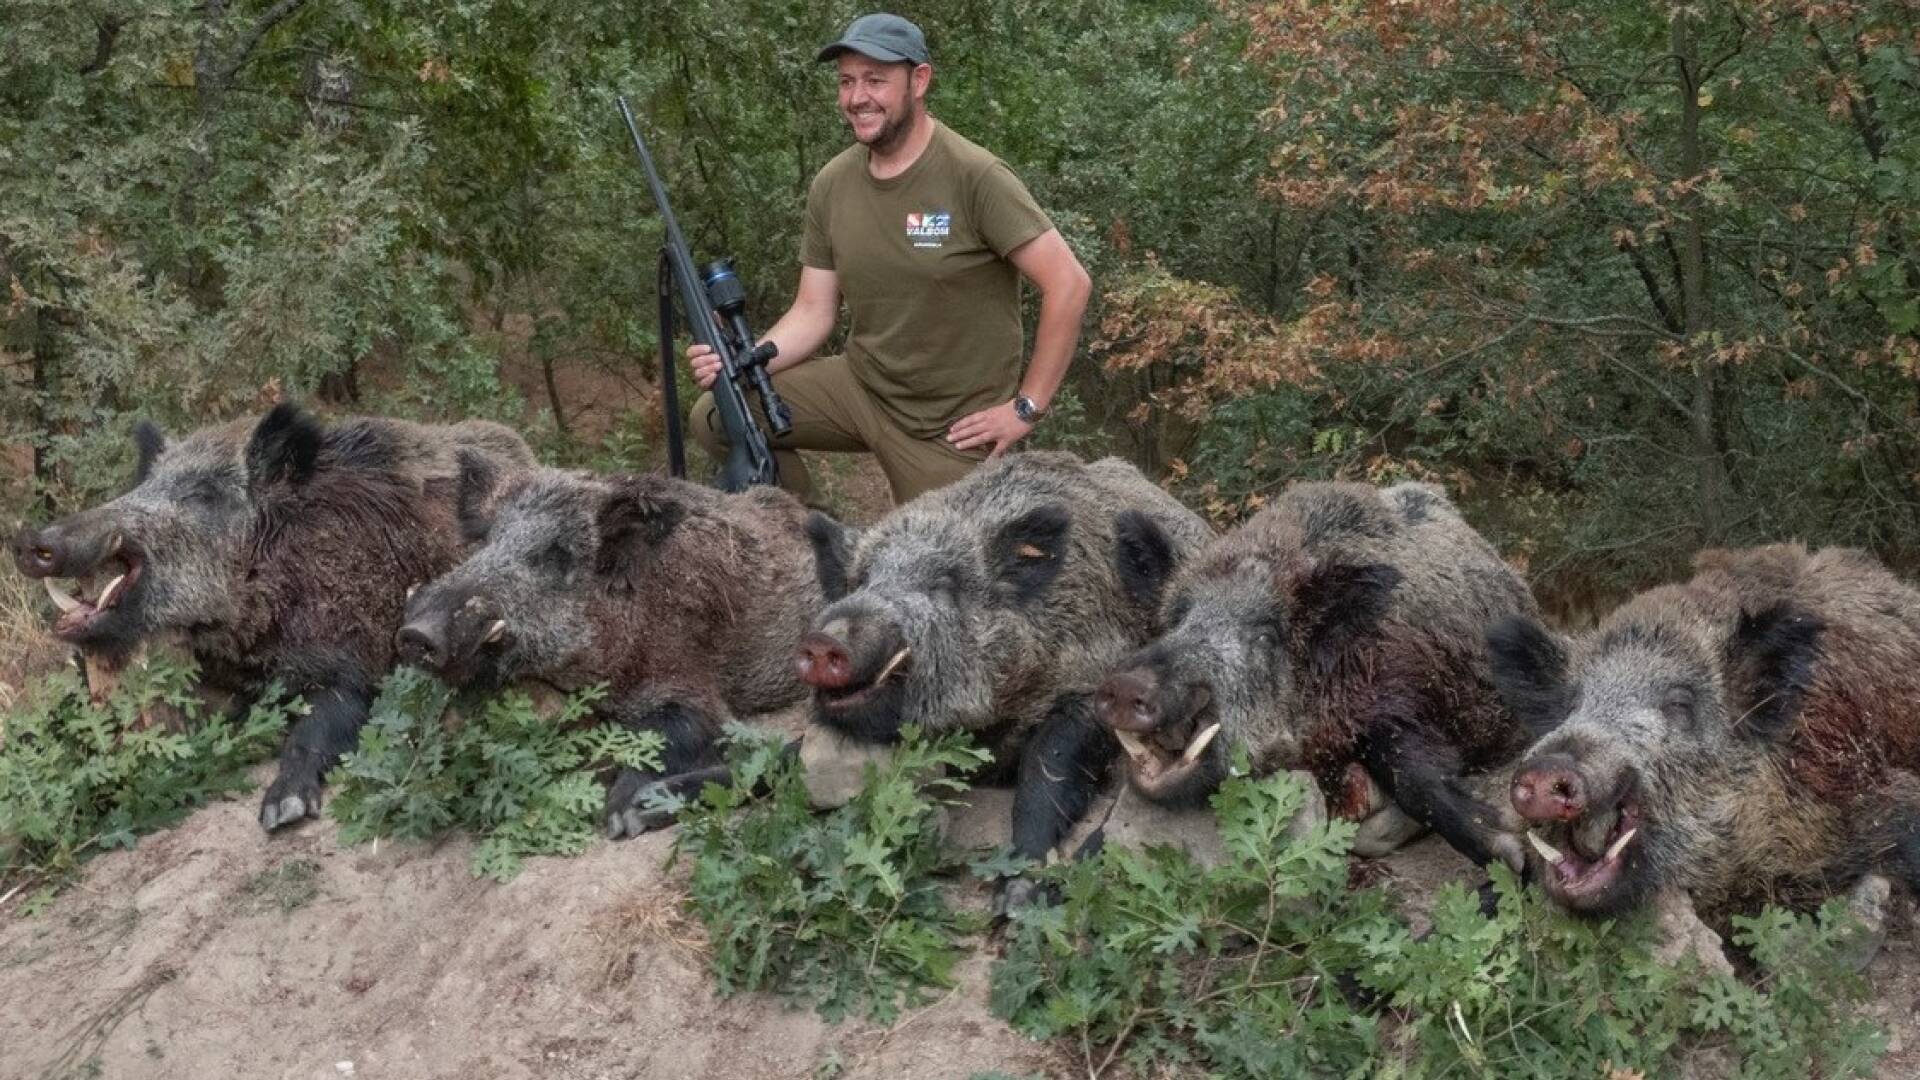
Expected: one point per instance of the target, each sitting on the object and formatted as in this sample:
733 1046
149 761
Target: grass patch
285 888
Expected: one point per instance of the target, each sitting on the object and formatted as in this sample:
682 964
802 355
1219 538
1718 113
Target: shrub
1268 965
78 778
522 781
842 910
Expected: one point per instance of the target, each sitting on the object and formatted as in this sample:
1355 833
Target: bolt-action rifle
713 288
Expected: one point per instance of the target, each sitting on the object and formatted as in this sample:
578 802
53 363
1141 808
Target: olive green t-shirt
933 304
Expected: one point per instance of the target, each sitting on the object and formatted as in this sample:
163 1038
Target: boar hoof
1387 830
1868 903
288 802
1017 894
1506 848
629 807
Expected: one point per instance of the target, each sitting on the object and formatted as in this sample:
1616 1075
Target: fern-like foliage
78 778
842 910
522 781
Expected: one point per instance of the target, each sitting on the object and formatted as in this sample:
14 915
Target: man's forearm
799 334
1054 340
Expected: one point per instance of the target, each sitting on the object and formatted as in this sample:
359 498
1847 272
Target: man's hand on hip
997 427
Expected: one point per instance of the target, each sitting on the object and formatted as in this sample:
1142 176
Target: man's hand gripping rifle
713 288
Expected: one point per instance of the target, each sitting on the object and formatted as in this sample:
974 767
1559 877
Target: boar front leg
1061 771
330 728
1425 777
686 764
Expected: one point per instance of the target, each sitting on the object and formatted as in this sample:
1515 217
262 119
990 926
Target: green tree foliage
842 910
521 779
1629 279
79 777
1269 966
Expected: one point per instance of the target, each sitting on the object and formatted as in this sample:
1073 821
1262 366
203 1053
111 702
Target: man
927 236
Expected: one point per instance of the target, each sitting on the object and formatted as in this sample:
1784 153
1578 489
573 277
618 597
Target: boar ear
1143 557
1337 603
148 441
1529 668
832 553
1027 553
284 447
474 500
631 522
1771 659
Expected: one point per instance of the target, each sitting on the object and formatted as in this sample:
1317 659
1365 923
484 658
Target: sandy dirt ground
212 950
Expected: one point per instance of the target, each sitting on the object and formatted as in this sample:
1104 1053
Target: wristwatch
1026 410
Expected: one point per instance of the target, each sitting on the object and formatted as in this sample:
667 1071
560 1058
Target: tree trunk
1696 317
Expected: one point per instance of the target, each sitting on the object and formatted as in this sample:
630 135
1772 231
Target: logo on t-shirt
929 230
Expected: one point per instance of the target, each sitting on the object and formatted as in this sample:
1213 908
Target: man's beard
892 133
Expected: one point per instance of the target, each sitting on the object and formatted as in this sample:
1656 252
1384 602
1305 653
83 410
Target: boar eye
555 558
1677 706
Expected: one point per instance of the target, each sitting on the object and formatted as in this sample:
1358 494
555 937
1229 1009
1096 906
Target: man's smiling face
879 100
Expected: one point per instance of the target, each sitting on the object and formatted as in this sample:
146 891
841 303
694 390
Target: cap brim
876 52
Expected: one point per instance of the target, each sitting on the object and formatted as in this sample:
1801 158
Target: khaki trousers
833 412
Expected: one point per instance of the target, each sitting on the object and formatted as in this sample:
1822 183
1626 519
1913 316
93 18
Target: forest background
1627 278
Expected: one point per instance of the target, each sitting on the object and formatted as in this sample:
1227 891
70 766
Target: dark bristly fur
1343 625
1760 719
683 601
282 549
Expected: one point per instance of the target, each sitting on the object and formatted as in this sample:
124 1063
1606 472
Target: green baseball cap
887 38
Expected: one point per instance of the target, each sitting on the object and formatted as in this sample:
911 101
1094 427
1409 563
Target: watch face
1023 408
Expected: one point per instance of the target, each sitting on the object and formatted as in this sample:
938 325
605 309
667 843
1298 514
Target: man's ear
1143 557
1529 669
474 500
1337 603
1028 553
284 447
631 524
148 442
832 553
1771 657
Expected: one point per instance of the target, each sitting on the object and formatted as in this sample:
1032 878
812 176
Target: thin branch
260 29
106 31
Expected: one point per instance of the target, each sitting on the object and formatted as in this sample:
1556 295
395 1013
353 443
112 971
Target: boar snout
823 662
1549 789
849 653
1130 701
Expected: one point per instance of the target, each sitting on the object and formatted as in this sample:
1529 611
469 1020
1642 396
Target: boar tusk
1135 749
1620 845
60 597
495 632
898 659
1199 744
111 593
411 589
113 547
1547 851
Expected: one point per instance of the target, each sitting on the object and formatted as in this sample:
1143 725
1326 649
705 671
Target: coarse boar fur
280 549
1341 631
992 605
683 601
1749 734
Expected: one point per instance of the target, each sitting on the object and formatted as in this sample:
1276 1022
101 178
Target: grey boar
991 605
1750 733
280 549
683 601
1340 631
